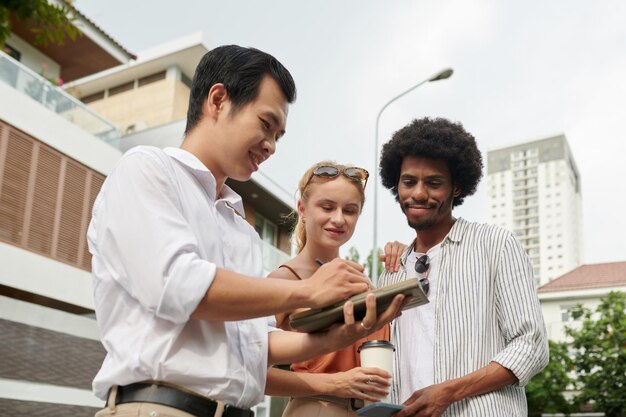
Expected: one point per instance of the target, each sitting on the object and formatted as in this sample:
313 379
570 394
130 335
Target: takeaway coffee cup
377 354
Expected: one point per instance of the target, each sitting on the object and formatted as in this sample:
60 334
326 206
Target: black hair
241 70
436 138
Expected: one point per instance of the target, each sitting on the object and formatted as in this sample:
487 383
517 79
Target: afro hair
436 138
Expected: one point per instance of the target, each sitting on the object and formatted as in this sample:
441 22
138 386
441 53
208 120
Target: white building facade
585 285
54 155
534 190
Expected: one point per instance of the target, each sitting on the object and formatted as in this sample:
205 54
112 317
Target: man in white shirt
471 350
179 302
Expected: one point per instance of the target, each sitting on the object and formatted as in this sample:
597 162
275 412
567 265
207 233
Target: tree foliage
354 256
600 360
545 391
52 22
369 265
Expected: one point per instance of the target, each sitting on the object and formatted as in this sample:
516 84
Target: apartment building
55 152
534 190
54 155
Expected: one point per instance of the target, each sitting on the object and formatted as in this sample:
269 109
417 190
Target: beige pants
138 409
311 407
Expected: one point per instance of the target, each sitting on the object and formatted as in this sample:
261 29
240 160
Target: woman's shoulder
288 270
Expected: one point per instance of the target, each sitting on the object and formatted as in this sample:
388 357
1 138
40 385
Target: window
122 88
266 230
93 97
565 312
45 199
12 52
151 79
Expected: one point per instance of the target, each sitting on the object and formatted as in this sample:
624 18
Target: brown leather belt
155 393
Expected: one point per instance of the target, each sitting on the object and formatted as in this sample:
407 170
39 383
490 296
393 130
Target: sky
522 71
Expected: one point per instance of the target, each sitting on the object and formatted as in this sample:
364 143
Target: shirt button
153 414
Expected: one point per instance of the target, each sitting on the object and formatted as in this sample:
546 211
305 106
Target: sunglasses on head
422 264
354 173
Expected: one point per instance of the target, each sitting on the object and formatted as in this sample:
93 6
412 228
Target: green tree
600 360
368 264
545 391
52 23
354 256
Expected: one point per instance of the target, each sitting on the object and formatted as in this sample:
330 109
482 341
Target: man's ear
216 100
456 191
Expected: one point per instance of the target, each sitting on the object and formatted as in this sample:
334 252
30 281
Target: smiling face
331 211
248 136
426 192
232 143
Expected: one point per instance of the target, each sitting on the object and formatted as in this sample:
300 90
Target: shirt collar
454 235
206 179
457 231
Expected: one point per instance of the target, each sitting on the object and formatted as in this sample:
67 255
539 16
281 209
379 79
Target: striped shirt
486 310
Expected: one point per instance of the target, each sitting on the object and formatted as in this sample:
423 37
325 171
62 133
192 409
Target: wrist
326 384
300 295
453 390
321 343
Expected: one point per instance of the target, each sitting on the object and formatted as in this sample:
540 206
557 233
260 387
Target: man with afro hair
471 350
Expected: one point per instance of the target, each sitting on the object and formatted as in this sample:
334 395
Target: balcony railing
272 257
54 98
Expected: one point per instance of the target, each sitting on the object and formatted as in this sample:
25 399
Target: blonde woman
331 200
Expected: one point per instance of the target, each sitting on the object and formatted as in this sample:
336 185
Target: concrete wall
151 105
33 58
26 114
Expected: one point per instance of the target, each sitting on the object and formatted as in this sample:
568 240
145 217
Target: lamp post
441 75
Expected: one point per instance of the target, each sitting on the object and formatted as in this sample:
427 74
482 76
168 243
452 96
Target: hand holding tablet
318 319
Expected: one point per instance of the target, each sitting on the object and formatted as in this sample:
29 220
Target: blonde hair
304 190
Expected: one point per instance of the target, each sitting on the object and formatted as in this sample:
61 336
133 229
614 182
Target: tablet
379 410
318 319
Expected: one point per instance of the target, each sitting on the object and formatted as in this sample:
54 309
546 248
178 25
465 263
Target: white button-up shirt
157 235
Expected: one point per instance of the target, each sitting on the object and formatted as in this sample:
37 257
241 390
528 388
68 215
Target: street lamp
441 75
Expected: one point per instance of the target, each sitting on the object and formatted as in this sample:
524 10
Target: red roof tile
589 276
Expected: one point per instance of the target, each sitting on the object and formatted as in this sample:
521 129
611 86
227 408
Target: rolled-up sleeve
519 315
144 241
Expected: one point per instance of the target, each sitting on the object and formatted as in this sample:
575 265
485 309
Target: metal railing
54 98
272 257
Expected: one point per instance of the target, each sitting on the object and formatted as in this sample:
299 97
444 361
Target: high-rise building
534 190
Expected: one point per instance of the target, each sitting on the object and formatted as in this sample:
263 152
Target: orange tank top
341 360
